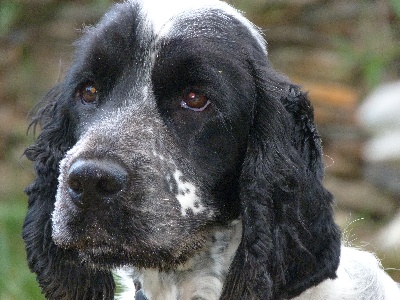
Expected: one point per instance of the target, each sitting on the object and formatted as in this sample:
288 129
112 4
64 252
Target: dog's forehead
164 17
131 33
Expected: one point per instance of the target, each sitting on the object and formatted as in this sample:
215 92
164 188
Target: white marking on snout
187 196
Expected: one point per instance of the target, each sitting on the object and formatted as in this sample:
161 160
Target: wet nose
92 182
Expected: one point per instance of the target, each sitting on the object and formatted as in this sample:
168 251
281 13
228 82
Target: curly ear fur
290 241
59 272
304 134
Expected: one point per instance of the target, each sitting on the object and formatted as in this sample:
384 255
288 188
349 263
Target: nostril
75 184
110 185
91 181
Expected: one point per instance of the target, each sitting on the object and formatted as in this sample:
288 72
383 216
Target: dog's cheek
217 152
177 200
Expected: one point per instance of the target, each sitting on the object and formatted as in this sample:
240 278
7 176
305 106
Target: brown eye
194 101
88 94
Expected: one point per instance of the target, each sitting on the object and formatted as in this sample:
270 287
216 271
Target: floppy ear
59 272
290 241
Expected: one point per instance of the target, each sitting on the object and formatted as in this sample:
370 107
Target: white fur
360 277
60 206
187 197
202 276
162 18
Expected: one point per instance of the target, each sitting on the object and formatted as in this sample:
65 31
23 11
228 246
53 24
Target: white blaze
187 195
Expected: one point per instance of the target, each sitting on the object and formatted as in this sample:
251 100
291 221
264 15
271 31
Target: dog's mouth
108 250
108 257
111 256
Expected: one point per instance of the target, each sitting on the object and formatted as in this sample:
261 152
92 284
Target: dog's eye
88 94
194 101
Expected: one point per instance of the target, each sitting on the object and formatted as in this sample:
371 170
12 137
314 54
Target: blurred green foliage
375 48
16 281
9 11
22 13
396 6
370 61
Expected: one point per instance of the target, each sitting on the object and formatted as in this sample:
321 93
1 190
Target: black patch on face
109 56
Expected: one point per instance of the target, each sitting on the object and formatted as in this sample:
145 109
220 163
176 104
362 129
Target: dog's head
172 122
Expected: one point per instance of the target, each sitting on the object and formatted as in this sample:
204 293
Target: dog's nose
95 181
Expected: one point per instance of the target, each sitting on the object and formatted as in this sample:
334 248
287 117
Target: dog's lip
102 252
85 242
97 249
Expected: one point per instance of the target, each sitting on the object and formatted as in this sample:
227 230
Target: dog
173 153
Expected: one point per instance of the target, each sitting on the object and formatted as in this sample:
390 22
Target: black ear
290 241
59 272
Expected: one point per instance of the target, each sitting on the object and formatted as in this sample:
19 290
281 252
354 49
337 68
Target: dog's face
170 125
160 120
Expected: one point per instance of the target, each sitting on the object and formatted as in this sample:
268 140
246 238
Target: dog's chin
107 258
111 255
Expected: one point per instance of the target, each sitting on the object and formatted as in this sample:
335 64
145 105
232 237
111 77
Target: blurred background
345 53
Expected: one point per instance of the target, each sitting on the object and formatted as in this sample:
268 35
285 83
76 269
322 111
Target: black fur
288 224
59 272
254 153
